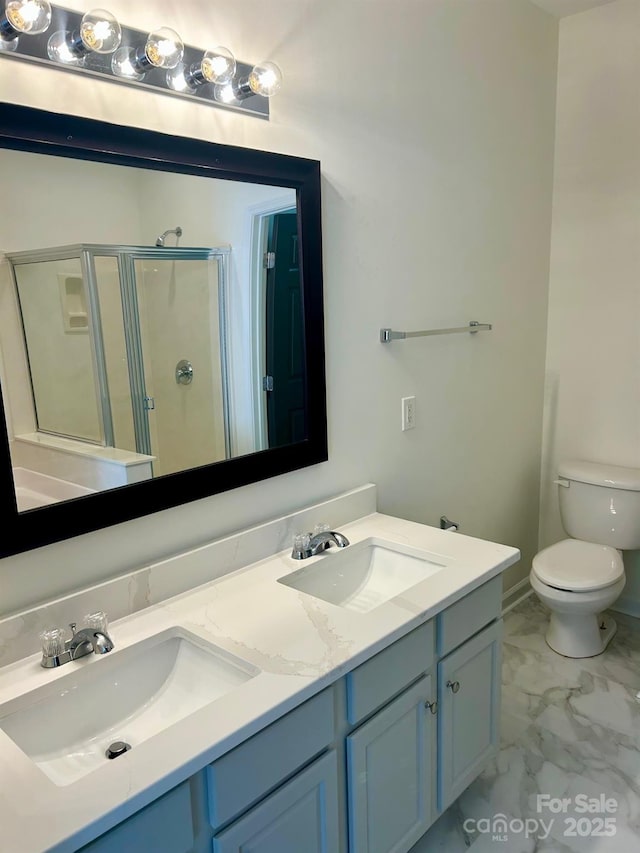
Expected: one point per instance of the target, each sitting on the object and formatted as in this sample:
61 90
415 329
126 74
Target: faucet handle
52 640
97 621
301 546
321 527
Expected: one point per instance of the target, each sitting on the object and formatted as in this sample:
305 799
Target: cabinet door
301 817
468 711
391 774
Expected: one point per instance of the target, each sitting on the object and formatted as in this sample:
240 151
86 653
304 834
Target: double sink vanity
335 704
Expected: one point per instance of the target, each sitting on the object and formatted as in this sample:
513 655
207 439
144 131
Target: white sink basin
131 695
363 576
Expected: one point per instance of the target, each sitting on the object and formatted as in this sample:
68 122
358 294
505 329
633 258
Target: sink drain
118 747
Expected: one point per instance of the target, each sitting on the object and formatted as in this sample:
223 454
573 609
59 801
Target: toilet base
580 636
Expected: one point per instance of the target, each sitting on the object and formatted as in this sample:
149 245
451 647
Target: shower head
177 231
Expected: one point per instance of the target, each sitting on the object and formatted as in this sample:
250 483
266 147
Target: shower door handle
149 403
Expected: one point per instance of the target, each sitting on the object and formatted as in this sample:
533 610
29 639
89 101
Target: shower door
62 343
175 326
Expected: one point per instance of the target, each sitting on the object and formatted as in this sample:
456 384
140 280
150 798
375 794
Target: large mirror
161 327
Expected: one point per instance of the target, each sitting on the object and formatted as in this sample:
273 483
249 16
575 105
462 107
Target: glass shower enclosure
127 348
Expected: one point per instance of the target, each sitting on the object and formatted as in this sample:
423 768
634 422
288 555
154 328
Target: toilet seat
578 566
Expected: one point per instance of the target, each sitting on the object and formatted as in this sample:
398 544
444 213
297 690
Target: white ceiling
561 8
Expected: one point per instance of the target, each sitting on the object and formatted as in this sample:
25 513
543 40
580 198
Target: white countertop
299 643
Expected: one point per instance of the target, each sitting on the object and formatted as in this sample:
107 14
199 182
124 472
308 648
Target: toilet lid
579 566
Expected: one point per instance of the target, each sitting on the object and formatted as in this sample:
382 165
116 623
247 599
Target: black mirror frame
27 129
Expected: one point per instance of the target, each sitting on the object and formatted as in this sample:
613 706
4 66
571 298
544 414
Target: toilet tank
600 503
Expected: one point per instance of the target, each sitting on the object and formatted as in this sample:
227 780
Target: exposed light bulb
60 49
265 79
225 93
218 65
123 64
177 79
100 32
8 45
164 48
28 16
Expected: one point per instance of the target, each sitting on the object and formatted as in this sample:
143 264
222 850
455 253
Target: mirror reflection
150 323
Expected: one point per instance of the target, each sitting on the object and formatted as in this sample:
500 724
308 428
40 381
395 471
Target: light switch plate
408 413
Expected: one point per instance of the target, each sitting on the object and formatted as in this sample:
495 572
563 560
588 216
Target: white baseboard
515 595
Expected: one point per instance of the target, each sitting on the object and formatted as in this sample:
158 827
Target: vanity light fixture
28 17
98 45
99 32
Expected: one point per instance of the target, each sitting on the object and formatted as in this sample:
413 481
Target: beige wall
592 407
434 123
57 202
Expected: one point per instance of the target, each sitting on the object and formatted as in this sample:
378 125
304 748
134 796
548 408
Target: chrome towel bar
388 335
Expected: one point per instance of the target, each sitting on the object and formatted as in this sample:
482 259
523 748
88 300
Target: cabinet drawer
467 616
166 826
253 769
300 816
378 680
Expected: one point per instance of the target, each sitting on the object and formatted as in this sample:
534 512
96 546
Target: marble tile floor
570 730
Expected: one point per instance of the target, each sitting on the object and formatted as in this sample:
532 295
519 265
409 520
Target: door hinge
269 260
149 403
267 383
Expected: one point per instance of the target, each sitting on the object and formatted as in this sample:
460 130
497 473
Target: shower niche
105 328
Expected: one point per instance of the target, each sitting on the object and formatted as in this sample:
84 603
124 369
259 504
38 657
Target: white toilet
578 578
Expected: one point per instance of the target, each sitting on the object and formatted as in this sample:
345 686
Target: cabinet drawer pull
454 685
431 706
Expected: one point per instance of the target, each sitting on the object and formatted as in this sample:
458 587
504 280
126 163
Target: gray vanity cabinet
301 817
365 766
469 711
391 769
394 760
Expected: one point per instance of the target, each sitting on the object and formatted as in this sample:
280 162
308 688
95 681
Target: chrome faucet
88 640
94 637
309 545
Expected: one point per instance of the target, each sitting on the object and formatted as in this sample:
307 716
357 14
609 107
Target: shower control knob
184 372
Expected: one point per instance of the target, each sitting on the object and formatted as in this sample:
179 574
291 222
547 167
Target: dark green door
286 416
